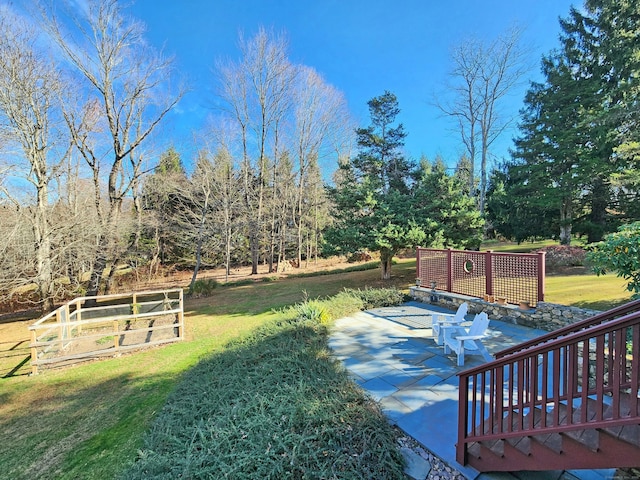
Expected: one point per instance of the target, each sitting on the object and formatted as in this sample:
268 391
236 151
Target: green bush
312 310
203 288
240 283
378 297
620 252
343 304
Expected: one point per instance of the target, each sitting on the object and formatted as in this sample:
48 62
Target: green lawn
524 247
88 420
513 247
587 291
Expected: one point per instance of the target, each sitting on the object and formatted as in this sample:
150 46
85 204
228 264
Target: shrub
359 257
240 283
343 304
312 310
378 297
203 288
620 252
563 256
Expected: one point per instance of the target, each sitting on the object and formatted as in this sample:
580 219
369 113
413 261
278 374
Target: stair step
573 455
626 433
592 446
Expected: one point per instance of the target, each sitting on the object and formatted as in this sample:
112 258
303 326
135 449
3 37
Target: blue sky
361 47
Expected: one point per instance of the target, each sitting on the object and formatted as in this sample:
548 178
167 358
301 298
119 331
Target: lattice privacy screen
515 276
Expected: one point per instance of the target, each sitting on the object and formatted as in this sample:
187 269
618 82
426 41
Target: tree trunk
99 264
196 267
43 251
566 221
227 254
101 261
483 176
199 243
112 272
386 257
600 199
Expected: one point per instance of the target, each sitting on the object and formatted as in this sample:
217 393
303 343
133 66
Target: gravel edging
438 471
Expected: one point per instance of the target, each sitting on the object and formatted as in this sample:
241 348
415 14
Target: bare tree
126 97
320 117
228 204
30 106
256 92
482 76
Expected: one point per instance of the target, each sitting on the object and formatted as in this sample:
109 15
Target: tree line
82 100
574 165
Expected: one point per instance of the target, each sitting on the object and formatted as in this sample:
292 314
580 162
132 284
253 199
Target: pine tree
373 207
579 125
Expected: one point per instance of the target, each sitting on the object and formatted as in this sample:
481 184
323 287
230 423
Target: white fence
90 327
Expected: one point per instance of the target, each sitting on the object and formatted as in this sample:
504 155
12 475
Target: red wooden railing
521 394
620 311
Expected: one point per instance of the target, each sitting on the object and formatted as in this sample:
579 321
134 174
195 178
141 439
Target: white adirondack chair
459 339
443 319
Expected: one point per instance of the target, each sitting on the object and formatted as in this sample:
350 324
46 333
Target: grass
89 421
513 247
272 405
587 291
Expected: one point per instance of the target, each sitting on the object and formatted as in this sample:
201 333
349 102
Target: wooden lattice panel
514 277
468 273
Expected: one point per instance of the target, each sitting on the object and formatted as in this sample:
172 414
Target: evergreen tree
578 129
550 148
373 208
448 214
161 194
514 209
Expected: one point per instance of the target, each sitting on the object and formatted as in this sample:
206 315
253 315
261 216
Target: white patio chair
443 319
459 339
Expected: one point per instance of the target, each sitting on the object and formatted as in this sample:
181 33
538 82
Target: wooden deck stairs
567 400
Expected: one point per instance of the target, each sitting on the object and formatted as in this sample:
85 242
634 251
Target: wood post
34 353
60 322
116 337
541 275
449 269
181 314
78 315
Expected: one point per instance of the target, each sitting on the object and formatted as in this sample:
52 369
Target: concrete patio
391 354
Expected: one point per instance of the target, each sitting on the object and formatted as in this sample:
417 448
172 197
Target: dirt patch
172 278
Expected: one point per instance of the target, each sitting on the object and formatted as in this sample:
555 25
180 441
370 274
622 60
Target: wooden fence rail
90 327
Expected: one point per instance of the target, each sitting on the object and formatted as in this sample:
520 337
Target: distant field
524 247
512 247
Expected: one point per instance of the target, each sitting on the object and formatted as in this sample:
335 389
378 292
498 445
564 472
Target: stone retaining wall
546 316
